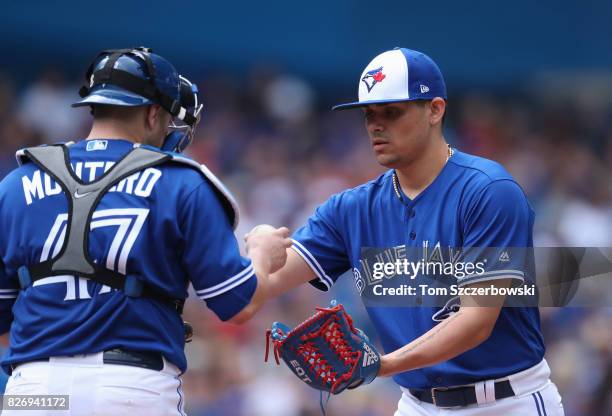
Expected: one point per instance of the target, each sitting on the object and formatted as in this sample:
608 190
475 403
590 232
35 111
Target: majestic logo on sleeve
373 77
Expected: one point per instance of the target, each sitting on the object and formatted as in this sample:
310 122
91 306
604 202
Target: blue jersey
473 202
165 225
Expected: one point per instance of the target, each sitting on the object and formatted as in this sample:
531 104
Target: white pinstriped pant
536 395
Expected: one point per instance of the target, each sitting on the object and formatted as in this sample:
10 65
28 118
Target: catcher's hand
326 351
269 244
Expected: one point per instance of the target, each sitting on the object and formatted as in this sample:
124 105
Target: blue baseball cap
398 75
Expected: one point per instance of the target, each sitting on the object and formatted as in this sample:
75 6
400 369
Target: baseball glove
326 351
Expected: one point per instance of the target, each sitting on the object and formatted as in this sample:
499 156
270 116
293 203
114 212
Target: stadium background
530 85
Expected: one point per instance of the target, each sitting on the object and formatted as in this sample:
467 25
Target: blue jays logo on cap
373 77
408 75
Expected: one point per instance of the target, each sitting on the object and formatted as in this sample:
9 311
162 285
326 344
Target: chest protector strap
73 258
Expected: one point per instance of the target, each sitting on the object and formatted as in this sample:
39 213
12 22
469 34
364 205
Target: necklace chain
396 180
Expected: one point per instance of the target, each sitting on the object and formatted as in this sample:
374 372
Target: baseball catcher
101 239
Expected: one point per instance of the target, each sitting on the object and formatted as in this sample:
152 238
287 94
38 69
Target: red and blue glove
326 351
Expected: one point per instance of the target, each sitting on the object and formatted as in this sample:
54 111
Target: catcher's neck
109 129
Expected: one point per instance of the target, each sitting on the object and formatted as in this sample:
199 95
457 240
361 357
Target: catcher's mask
184 124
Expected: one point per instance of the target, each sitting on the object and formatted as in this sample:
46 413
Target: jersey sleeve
498 234
9 290
319 242
220 275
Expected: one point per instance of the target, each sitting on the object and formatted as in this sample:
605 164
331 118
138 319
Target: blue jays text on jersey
165 225
474 203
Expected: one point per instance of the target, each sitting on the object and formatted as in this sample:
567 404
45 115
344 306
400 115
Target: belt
459 396
118 356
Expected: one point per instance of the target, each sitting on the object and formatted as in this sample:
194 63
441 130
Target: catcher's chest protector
83 198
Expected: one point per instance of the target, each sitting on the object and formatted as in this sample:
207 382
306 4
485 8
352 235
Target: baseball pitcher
464 358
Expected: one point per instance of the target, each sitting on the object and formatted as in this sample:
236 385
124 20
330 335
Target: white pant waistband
93 360
524 382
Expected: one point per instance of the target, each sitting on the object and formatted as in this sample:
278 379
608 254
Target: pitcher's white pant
98 389
535 395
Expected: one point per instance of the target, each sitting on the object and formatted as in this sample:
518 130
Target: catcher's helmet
131 77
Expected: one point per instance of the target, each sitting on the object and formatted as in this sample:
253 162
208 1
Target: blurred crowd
274 142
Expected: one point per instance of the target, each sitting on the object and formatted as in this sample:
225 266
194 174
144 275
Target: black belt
142 359
459 396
